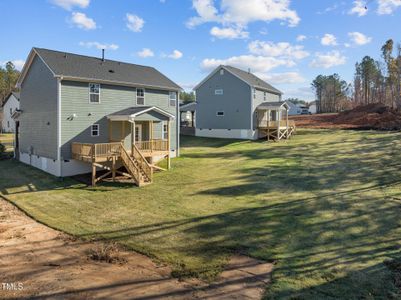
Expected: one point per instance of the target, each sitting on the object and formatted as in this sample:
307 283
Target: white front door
138 133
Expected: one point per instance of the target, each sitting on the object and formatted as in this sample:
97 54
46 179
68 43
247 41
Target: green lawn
325 206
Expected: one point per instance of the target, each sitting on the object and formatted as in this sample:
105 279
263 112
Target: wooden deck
277 130
136 160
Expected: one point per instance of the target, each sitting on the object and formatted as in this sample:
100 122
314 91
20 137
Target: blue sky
286 42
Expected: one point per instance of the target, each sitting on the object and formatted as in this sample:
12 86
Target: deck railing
93 151
276 124
153 145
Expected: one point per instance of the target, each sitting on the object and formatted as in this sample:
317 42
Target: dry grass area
42 263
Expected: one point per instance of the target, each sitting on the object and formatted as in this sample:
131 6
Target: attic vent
111 71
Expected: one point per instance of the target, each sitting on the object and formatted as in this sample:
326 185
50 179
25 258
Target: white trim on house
90 93
144 96
98 130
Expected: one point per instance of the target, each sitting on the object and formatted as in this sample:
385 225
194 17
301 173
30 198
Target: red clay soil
372 116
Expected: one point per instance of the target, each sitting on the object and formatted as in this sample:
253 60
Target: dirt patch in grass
372 116
37 262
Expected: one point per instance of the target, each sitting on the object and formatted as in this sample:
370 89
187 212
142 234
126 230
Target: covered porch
273 121
148 128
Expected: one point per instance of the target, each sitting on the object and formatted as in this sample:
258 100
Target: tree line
374 82
8 78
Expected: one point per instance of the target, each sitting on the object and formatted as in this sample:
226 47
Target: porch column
268 125
278 115
133 132
122 131
168 145
110 131
286 122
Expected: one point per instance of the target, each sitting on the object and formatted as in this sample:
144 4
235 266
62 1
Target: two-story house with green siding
233 103
79 114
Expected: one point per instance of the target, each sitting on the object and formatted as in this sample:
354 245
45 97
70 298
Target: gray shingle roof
138 110
93 68
272 105
188 107
253 80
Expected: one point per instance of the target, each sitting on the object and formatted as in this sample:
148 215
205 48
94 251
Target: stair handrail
133 169
146 167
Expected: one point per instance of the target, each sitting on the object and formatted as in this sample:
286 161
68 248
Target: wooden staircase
137 166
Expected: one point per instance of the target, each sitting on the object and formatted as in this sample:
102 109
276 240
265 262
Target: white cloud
69 4
283 50
229 33
176 54
387 7
305 93
329 40
134 23
241 13
99 45
18 63
145 52
282 78
328 60
359 8
301 38
359 39
259 64
82 21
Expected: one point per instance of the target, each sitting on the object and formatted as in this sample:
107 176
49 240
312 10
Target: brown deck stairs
110 156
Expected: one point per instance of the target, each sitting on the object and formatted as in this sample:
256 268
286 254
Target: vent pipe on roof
102 54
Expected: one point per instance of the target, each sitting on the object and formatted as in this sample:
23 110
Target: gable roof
132 112
15 94
191 106
273 106
245 76
86 68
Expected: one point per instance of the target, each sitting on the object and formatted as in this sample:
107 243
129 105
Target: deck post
122 131
151 135
168 146
286 122
93 174
278 114
113 168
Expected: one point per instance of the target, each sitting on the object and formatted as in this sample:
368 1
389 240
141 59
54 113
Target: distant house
188 118
294 109
312 107
79 114
10 107
233 103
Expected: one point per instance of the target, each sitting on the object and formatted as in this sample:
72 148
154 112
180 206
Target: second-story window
173 98
140 97
94 92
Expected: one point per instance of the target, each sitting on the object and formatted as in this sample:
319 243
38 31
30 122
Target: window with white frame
165 131
95 130
222 72
94 92
219 92
173 98
220 113
140 96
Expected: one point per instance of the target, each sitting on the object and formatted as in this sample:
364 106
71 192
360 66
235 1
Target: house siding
38 121
235 102
75 101
8 123
259 99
